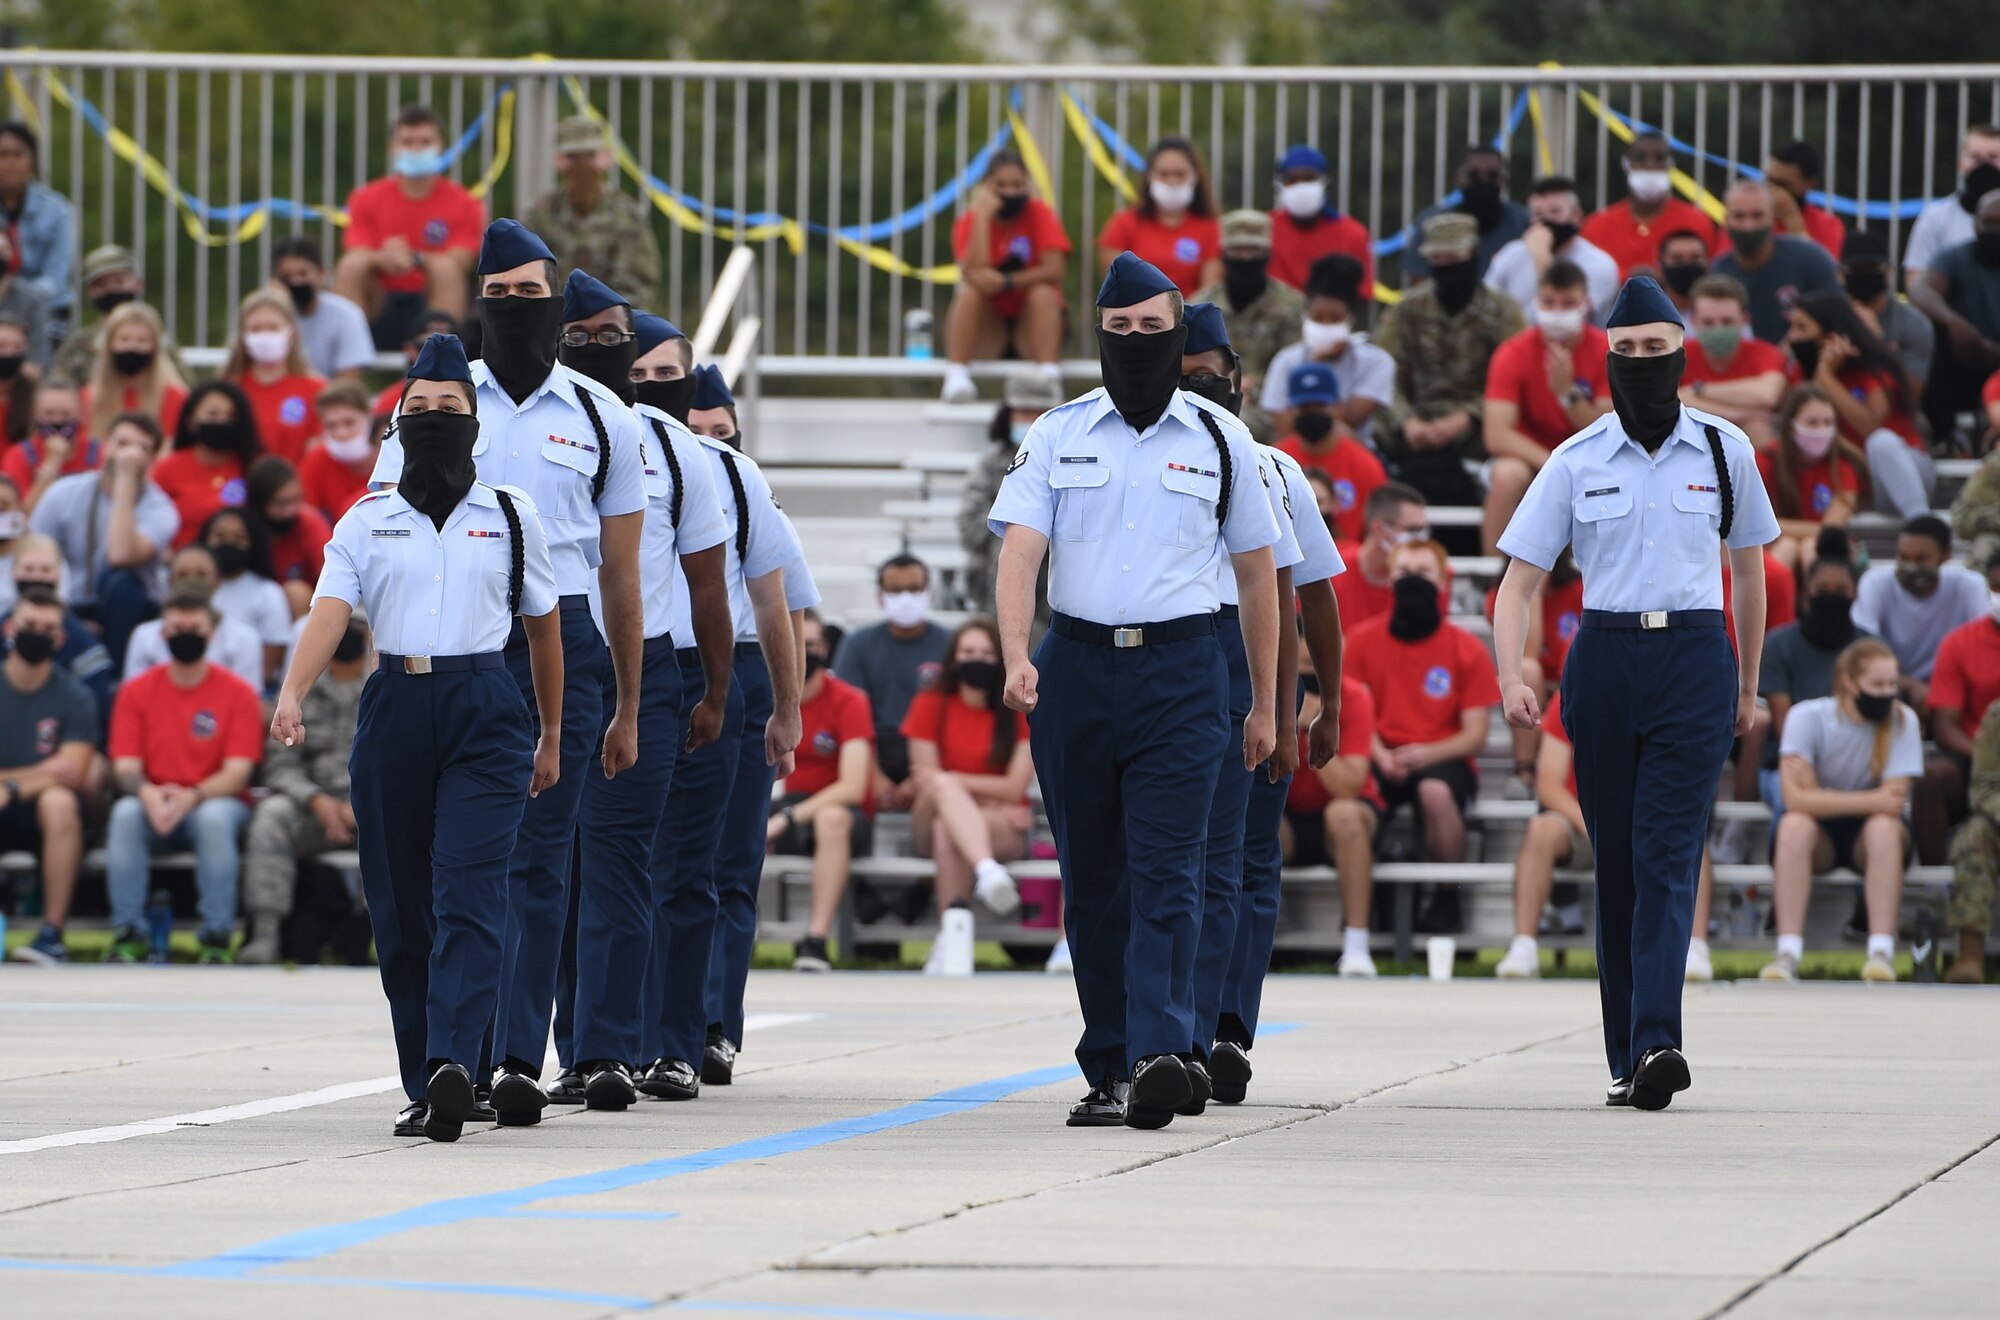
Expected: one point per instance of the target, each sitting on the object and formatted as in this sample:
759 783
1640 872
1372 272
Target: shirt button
1135 485
1131 527
433 611
1121 611
1126 569
437 577
1651 505
1649 545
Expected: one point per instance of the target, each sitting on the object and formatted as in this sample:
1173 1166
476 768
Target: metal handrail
722 300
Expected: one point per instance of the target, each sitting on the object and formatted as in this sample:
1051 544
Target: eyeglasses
609 337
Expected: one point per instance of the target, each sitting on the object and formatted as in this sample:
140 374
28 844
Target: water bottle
160 920
917 333
955 938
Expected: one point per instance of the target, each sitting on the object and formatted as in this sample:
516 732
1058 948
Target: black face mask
815 662
1682 278
985 675
1806 354
1750 242
1872 708
1828 622
34 646
1986 247
303 296
187 647
10 365
223 437
518 340
1313 427
1560 235
1481 200
353 644
1455 282
1416 614
437 461
131 361
675 398
107 303
1646 393
1981 180
1141 372
1013 206
1868 284
1244 279
229 559
1217 390
610 365
282 526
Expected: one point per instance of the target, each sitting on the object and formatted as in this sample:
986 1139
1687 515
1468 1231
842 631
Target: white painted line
282 1104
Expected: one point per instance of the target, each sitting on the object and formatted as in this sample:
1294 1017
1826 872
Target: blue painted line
650 1216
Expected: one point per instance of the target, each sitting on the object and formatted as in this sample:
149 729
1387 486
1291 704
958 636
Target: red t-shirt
298 555
1989 395
1858 380
1357 732
1519 374
1562 615
963 733
1817 483
183 735
1822 227
1781 596
1632 242
172 399
390 399
1552 725
1037 230
1355 472
22 460
1753 357
1966 677
331 486
447 217
1360 600
1421 688
831 720
284 412
1295 247
198 491
1178 250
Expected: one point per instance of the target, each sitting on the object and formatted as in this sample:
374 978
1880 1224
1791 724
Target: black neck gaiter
675 398
1416 613
1141 372
610 365
1646 391
437 461
518 341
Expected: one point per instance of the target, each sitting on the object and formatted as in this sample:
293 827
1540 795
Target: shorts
1308 838
1581 858
1844 832
1459 776
797 840
20 829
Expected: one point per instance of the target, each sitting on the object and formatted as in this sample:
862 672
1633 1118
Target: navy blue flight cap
585 296
1302 158
1206 331
509 243
441 358
1642 302
710 390
652 331
1131 281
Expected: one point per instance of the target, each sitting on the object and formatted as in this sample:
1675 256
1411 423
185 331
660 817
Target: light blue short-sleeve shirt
1319 558
1646 527
1285 550
671 461
767 535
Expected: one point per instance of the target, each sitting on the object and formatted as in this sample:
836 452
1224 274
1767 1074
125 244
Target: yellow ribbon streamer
1542 151
1087 135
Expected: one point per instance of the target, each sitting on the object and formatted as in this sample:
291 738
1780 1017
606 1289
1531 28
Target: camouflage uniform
1441 361
1975 514
1975 850
615 242
284 828
1257 333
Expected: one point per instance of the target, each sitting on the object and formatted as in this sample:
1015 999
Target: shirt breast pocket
659 486
1606 531
1083 505
1697 525
1190 522
562 489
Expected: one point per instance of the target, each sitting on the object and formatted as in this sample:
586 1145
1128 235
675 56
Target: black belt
578 602
438 664
655 645
1226 612
1652 620
1144 634
691 655
749 650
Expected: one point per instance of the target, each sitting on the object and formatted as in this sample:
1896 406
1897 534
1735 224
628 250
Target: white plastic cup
1443 952
955 935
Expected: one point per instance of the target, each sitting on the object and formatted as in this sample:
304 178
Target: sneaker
934 964
216 946
1784 967
997 890
1059 963
1699 969
718 1060
47 950
958 386
1520 786
128 945
809 955
261 949
1879 970
1359 965
1522 963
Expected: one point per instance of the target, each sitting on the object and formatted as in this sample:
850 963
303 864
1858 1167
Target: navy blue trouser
683 872
1652 716
538 877
1127 744
739 858
1257 912
1222 882
600 1008
441 765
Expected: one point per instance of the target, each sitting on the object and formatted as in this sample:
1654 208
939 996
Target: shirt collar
483 381
1097 405
1686 431
394 504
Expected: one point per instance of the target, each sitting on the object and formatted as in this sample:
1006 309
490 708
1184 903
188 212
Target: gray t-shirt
1915 626
1975 289
1911 336
1798 670
335 336
1797 267
66 511
891 670
1363 372
1842 751
33 725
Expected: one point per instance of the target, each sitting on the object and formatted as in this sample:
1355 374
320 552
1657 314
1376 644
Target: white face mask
1171 196
906 609
1322 338
1649 185
1561 326
267 346
1813 441
349 451
12 523
1303 200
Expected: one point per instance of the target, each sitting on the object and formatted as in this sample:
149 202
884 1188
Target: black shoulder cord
742 507
1228 470
1722 482
603 445
516 574
673 467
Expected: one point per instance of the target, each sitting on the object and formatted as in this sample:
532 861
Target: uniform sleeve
1906 747
538 573
771 539
1544 522
1248 523
1755 523
340 575
388 461
1319 558
801 592
625 482
1285 551
1025 497
701 526
246 723
1478 680
922 719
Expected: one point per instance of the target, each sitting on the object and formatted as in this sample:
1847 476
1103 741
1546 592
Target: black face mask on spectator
230 559
1979 181
1828 622
34 646
303 296
10 365
1217 390
985 675
1867 283
815 662
1872 708
1313 427
1455 282
1645 391
1560 235
282 526
1141 372
131 361
1244 279
1681 278
675 398
610 365
353 644
1806 354
518 341
1416 614
1986 247
187 647
1013 205
1480 198
437 461
223 437
106 303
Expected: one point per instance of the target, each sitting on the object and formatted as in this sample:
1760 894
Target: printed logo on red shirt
233 491
1021 248
292 411
1822 496
1437 683
1566 625
824 743
1343 494
204 724
1186 249
435 233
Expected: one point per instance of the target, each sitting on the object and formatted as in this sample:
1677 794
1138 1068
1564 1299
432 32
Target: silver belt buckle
1653 619
1126 637
416 664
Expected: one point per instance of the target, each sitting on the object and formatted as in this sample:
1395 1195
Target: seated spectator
1975 514
1915 602
58 444
970 760
1332 337
1544 384
1320 443
432 322
1799 656
1553 234
13 522
1847 764
1683 263
412 238
1793 170
297 533
827 810
1832 349
214 445
1965 680
17 383
1434 687
1261 313
1011 251
1774 270
48 735
234 645
310 808
246 589
21 302
1815 477
333 331
1960 293
1946 221
114 526
110 280
1481 184
1864 274
334 472
184 739
1173 224
1633 232
1335 812
1028 395
1730 374
1975 857
1392 517
40 227
38 572
891 662
1443 337
589 225
267 362
132 374
1305 227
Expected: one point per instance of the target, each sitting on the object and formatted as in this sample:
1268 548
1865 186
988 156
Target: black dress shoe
449 1096
610 1087
1199 1089
1661 1072
1618 1095
567 1088
1160 1087
482 1106
410 1123
718 1061
1103 1107
1228 1072
671 1079
518 1099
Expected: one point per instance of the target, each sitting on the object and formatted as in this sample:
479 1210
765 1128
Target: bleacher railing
847 178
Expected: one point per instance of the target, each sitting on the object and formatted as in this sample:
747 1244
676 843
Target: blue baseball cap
1642 302
585 296
509 243
1302 157
1312 382
441 358
1206 331
1131 281
653 331
710 389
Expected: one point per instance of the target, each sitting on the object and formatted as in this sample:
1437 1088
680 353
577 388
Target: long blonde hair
238 364
107 390
1847 683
